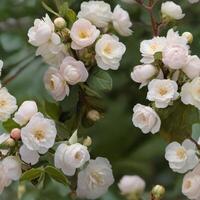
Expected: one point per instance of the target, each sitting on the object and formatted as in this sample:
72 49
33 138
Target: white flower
42 32
148 48
163 92
25 112
145 118
4 137
171 10
121 21
191 184
109 52
190 93
39 134
83 34
192 68
8 104
52 54
181 157
193 1
10 171
29 156
73 71
97 12
1 66
131 185
175 56
70 157
56 84
95 179
143 73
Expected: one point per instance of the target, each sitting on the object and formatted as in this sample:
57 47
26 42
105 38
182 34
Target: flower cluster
32 136
170 73
71 51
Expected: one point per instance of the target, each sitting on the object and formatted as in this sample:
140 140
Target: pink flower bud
15 134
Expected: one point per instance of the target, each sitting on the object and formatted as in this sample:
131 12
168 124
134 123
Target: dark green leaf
31 174
56 175
49 9
10 124
100 80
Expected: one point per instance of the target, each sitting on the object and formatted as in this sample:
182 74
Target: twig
198 146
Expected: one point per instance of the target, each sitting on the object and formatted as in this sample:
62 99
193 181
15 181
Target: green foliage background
114 137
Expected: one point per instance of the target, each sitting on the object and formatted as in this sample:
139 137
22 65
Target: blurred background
114 137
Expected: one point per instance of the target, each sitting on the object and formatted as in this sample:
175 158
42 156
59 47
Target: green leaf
31 174
52 110
62 131
50 9
10 124
56 175
100 80
196 131
177 121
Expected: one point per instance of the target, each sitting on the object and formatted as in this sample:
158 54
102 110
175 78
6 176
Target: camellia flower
190 93
143 73
148 48
73 71
109 52
95 179
83 34
43 32
56 84
145 118
29 156
163 92
121 21
25 112
182 158
10 171
39 134
8 104
192 68
97 12
131 185
70 157
171 10
191 184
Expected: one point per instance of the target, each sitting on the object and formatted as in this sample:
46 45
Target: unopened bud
87 142
9 142
93 115
15 134
158 192
188 36
59 23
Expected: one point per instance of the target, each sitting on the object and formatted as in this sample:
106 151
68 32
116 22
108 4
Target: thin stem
198 146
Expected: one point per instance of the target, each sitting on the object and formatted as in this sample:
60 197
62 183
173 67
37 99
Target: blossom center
83 34
163 91
39 134
2 103
96 178
52 85
78 156
181 153
108 49
188 184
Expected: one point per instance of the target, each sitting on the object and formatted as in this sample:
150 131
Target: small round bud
87 142
15 134
93 115
59 23
158 192
9 142
188 36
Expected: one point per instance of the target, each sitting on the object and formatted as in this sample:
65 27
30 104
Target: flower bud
93 115
158 192
15 134
188 36
9 142
87 142
59 23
